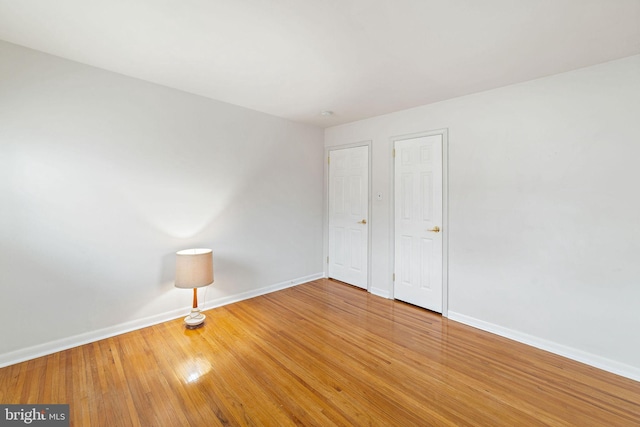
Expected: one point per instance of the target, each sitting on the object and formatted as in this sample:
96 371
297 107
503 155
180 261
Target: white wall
544 209
103 177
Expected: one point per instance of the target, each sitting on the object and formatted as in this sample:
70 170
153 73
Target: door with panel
349 215
418 214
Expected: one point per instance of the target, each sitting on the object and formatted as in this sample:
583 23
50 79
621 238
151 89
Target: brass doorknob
435 229
364 221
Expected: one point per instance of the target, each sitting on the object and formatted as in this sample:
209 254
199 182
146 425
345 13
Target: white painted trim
445 221
445 209
384 293
325 237
599 362
44 349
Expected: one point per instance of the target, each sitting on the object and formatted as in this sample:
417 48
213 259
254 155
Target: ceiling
357 58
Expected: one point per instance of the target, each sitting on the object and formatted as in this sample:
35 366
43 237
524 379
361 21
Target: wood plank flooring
320 354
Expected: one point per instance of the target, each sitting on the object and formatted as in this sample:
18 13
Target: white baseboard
380 292
599 362
44 349
260 291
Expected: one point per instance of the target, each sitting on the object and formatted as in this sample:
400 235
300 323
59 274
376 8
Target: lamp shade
194 268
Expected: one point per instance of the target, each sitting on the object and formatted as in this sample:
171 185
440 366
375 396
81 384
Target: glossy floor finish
321 354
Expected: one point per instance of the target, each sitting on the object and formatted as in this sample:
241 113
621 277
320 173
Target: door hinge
329 160
394 152
327 260
394 277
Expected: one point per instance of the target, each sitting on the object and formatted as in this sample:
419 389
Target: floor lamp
194 269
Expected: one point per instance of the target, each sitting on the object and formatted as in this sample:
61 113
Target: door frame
445 209
325 243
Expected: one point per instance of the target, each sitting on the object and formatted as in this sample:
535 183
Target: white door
349 215
418 222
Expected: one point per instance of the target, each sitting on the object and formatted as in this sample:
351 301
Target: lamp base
199 325
195 319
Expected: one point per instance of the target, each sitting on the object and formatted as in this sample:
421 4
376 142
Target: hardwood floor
321 354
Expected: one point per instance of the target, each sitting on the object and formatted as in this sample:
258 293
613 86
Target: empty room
350 213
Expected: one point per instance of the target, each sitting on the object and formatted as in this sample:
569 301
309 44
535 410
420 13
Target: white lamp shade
194 268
